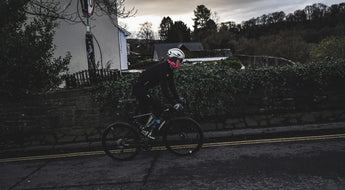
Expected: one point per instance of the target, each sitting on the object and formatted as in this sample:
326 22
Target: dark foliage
218 88
26 50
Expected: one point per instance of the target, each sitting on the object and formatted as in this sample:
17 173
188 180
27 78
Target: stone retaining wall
71 116
272 120
66 116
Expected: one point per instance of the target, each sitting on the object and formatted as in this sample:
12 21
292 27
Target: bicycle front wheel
120 141
183 136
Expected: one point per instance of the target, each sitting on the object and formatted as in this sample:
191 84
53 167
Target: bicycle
123 140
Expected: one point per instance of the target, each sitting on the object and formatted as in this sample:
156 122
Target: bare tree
146 33
60 9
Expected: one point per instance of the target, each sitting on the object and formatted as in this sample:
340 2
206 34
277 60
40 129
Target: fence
251 61
89 77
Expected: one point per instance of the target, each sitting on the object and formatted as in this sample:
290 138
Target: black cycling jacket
159 74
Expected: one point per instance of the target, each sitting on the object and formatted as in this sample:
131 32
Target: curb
275 130
91 146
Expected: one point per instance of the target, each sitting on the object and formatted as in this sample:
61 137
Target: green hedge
142 64
217 87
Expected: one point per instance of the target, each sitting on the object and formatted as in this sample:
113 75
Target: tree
330 47
203 24
224 27
146 33
179 33
278 17
202 15
165 26
26 50
300 16
211 26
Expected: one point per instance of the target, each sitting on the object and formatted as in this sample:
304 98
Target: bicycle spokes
183 136
120 141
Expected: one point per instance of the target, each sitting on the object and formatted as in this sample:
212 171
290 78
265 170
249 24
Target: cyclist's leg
156 106
146 100
142 96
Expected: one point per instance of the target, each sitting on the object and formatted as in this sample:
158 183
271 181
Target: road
281 163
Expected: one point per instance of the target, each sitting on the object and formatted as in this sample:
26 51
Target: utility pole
88 7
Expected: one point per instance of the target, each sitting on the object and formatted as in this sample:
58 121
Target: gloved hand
181 100
178 107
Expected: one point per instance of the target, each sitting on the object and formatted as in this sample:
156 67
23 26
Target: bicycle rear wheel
120 141
183 136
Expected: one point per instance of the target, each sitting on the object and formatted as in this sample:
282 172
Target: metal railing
90 77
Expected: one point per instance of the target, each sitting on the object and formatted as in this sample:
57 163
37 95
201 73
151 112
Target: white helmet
176 52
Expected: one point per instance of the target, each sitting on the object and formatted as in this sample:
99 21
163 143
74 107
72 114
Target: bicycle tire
183 136
120 141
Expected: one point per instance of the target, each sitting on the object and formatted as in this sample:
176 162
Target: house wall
71 37
123 51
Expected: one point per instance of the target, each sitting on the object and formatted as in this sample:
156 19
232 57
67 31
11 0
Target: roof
124 31
162 48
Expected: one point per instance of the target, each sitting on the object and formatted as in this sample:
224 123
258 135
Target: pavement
210 136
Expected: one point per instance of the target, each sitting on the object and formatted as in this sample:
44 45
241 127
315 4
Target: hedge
218 88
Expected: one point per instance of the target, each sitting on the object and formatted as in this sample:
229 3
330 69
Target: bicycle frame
132 118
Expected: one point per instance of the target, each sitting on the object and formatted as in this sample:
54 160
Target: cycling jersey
159 74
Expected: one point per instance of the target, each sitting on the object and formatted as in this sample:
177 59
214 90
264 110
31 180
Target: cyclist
158 74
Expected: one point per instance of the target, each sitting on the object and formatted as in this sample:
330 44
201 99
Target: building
124 48
110 51
161 49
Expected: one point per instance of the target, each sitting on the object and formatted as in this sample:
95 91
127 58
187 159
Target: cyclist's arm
164 86
172 88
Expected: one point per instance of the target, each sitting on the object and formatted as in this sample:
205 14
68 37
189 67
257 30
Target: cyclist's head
176 57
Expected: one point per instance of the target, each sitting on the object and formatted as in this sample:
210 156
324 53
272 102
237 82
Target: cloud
227 10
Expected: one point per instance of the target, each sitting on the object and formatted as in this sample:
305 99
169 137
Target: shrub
330 47
232 62
142 64
26 49
218 89
109 93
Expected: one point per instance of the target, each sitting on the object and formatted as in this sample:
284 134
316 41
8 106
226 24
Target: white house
112 42
123 48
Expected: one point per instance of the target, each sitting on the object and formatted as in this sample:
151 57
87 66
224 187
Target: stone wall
71 116
66 116
265 120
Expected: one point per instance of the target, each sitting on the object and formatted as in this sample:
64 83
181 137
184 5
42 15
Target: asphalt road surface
283 163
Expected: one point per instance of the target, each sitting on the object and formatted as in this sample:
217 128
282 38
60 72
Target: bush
217 88
26 49
330 47
142 64
232 62
109 93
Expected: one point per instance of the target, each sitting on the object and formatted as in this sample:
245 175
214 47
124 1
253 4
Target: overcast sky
227 10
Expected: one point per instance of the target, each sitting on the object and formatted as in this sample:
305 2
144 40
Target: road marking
162 148
51 156
277 140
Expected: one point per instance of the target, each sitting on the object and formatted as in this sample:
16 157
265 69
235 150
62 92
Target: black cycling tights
146 101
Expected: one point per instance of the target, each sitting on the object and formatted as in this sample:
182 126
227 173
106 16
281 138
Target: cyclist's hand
182 100
178 107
